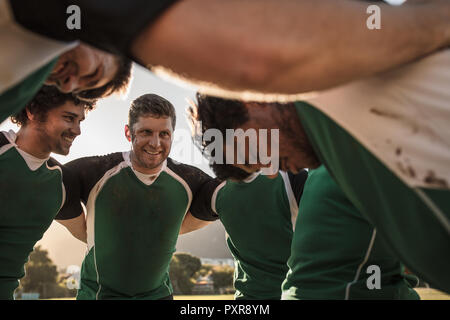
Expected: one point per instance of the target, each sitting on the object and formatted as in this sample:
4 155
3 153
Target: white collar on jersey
33 162
252 177
147 179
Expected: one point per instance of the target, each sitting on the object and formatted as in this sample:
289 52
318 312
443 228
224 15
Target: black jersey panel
71 207
83 174
108 25
297 183
195 178
201 206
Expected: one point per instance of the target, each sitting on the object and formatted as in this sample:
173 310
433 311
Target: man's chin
63 152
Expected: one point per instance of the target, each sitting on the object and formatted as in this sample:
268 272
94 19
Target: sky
103 132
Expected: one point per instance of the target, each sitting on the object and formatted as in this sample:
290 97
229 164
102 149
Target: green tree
41 276
183 268
222 276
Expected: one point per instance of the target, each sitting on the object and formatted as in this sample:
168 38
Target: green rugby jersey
258 216
405 217
32 191
334 245
14 99
133 224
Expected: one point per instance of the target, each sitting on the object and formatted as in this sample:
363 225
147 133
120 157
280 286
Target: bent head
279 140
90 73
150 129
55 119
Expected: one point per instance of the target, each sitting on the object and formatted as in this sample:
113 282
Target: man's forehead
70 107
153 122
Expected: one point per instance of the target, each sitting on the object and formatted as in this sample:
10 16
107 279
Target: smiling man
136 202
32 185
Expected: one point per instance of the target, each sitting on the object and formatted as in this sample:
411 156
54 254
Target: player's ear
127 133
30 116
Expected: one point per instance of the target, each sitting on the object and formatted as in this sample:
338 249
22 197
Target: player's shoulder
52 162
183 168
192 175
103 161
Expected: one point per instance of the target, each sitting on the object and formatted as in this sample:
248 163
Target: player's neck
27 140
144 170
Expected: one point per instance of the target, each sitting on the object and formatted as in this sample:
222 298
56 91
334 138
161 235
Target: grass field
211 297
432 294
425 294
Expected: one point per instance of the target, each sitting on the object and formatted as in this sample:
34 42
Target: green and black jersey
334 247
15 99
258 216
133 222
410 220
32 191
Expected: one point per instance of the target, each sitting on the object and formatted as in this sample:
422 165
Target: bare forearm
285 46
76 226
190 223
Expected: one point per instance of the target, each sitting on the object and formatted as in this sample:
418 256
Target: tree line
43 278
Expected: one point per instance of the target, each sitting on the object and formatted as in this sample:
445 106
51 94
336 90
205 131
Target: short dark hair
218 113
46 99
151 105
118 84
215 113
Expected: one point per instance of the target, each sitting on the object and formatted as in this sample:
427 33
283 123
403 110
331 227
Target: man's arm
202 211
191 223
76 226
285 46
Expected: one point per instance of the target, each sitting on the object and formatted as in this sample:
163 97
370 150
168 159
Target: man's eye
164 134
68 118
92 75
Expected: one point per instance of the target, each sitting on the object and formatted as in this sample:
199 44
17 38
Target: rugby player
136 202
384 141
32 184
337 253
258 214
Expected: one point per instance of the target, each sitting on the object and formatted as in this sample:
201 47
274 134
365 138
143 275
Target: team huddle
363 177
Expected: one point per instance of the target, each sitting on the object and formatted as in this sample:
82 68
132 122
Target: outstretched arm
285 46
191 223
76 226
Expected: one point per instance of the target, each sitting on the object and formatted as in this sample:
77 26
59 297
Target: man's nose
68 84
154 141
76 129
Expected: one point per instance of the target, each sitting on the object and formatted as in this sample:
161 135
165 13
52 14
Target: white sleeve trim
291 197
214 196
